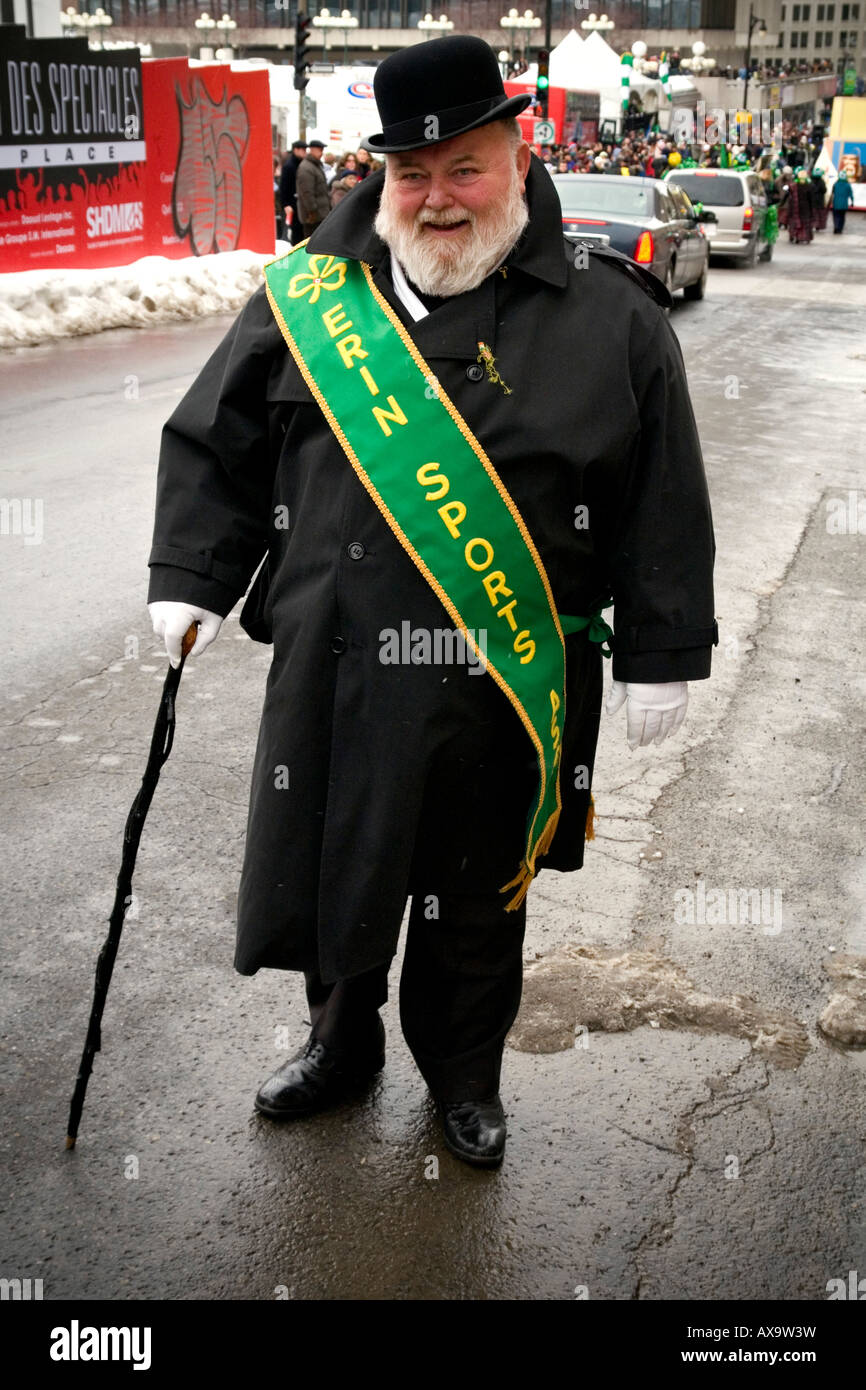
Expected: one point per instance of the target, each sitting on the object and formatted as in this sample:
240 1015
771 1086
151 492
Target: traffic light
542 82
302 43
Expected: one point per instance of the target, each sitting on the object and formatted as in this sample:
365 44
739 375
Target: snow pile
37 306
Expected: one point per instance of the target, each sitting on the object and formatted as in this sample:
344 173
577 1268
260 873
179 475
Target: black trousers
459 994
462 973
839 220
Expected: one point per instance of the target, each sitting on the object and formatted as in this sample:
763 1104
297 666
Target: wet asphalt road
618 1181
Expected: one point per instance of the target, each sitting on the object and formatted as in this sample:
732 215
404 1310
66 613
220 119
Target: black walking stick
160 747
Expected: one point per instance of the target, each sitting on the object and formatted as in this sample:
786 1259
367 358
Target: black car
652 222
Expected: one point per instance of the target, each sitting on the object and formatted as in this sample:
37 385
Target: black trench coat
598 417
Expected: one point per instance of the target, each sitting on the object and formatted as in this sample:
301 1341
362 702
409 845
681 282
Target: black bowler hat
432 91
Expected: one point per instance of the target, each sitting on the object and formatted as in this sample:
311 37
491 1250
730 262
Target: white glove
171 621
652 712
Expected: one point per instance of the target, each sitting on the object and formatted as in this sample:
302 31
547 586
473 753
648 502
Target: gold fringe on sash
526 875
524 878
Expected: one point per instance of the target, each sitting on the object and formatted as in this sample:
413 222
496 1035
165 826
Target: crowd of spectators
795 188
332 176
651 155
762 72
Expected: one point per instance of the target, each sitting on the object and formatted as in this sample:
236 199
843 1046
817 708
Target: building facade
811 33
801 38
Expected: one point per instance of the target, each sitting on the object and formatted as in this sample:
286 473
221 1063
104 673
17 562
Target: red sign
104 158
527 119
72 145
209 178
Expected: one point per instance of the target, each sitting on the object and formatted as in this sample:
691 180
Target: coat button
356 551
338 645
475 372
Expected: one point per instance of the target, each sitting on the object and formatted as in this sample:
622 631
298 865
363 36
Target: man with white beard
435 421
451 213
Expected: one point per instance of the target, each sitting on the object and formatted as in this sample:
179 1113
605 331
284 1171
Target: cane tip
70 1141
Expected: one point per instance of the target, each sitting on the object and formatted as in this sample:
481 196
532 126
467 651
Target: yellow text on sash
350 347
479 556
478 552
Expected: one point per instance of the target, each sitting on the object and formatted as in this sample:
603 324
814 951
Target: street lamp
641 62
205 26
72 21
698 63
430 26
520 23
100 21
754 22
504 61
596 22
323 21
226 26
345 20
510 22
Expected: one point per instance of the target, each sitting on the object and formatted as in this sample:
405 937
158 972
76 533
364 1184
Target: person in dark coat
363 163
280 224
340 187
783 190
797 201
383 770
288 189
819 200
842 200
314 200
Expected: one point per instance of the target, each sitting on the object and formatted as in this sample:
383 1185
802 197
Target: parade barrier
105 158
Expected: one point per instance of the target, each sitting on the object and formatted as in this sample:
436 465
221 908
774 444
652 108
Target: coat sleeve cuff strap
196 561
660 639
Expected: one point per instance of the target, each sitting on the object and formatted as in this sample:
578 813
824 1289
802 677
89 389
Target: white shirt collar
405 293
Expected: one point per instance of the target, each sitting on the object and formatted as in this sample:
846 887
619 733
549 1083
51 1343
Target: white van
739 200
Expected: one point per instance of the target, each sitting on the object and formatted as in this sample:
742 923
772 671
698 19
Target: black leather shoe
317 1075
474 1130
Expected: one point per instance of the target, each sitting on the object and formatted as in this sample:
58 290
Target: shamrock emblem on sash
322 275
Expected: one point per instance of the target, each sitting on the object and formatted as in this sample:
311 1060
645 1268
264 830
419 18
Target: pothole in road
604 990
844 1019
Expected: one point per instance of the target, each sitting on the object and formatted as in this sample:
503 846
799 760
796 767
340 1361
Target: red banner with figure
105 158
209 178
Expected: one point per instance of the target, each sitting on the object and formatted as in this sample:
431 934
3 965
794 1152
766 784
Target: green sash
439 493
